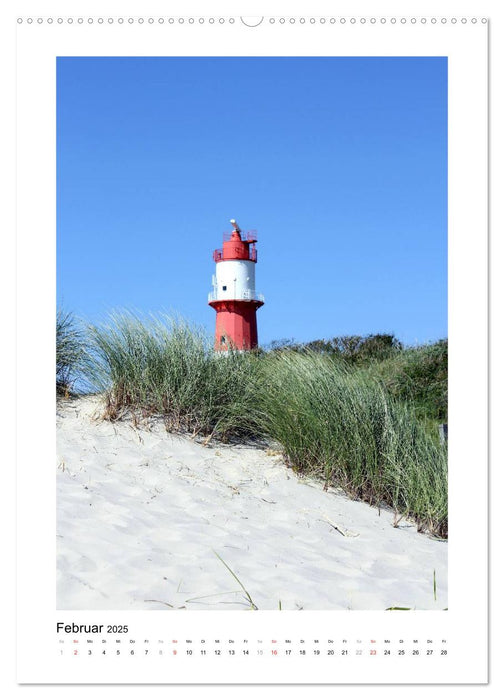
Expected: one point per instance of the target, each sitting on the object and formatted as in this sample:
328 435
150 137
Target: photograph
251 322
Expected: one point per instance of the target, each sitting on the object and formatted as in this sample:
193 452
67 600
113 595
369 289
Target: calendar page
247 240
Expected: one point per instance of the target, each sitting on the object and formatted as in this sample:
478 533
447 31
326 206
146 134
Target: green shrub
354 349
419 376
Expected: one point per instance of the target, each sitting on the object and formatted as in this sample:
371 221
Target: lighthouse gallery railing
244 296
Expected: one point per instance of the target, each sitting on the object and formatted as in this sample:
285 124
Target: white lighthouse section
235 279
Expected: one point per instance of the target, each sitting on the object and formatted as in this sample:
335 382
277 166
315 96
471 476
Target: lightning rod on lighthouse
234 295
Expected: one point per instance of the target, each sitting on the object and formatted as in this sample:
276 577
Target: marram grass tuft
330 419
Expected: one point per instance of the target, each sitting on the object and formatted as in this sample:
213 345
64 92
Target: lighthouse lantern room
234 296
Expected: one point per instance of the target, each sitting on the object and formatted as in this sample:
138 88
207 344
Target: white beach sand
141 513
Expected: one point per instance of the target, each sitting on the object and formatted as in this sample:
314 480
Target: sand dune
141 515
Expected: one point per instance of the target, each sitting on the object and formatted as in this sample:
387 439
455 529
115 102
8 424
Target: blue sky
339 163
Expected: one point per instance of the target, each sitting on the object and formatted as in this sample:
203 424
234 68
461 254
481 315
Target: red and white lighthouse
234 296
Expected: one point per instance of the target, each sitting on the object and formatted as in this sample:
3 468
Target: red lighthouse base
236 324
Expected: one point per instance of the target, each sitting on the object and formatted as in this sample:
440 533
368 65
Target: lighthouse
234 295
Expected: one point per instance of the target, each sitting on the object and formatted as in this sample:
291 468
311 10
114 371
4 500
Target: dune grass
345 425
71 352
340 422
164 366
